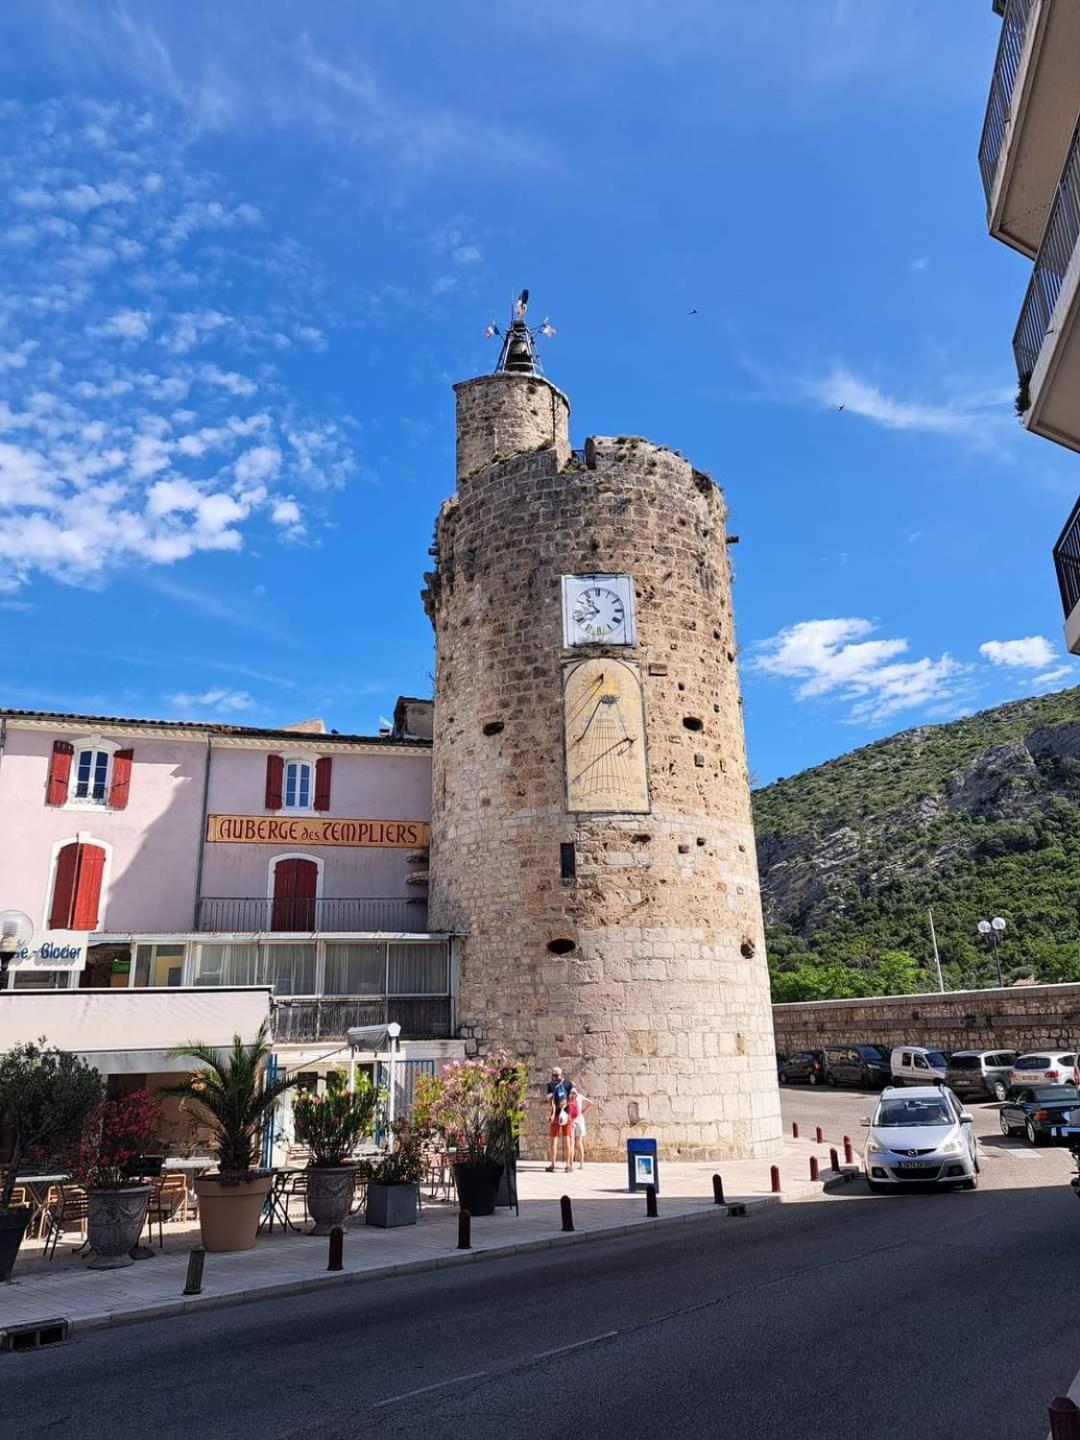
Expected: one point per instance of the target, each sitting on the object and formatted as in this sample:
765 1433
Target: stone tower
591 829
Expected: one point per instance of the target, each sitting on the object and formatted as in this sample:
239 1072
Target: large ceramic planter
229 1213
114 1221
330 1195
13 1225
477 1186
391 1205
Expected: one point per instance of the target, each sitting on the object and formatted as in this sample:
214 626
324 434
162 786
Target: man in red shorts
559 1122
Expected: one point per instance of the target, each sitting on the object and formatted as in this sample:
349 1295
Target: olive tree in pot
45 1095
394 1182
114 1135
478 1106
236 1098
332 1126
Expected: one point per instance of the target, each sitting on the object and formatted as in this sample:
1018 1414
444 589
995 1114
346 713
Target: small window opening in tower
567 860
493 727
691 722
562 946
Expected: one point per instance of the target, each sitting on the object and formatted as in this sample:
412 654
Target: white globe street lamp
16 930
993 932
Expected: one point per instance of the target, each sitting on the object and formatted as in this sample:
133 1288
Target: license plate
914 1165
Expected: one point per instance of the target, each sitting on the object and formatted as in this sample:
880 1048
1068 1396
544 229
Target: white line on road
424 1389
577 1345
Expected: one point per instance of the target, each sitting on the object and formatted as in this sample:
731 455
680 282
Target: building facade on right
1029 157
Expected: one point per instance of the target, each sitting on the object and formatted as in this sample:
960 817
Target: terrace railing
1067 561
1002 84
256 914
421 1017
1051 265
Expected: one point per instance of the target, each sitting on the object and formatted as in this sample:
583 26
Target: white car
920 1134
1042 1067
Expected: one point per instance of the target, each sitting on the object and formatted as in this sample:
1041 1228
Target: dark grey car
865 1065
978 1074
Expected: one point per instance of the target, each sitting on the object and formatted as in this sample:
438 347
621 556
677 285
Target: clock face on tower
598 610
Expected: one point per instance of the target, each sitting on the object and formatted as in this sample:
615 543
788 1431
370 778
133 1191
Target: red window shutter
88 887
121 779
63 898
323 767
56 792
275 775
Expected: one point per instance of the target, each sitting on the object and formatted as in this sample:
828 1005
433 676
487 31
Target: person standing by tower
560 1125
580 1105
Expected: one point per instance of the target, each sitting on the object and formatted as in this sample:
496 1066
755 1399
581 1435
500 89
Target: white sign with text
53 950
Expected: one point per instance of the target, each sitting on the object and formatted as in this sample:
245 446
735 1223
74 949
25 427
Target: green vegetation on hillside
976 818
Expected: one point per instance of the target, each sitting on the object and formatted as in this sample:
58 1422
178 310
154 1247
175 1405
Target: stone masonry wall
503 415
660 1011
1024 1018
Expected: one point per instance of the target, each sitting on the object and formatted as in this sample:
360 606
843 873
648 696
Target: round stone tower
591 831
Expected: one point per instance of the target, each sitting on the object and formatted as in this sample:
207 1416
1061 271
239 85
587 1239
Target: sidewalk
286 1264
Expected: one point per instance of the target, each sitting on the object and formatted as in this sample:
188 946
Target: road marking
577 1345
425 1389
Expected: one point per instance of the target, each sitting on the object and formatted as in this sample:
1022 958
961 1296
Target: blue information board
642 1165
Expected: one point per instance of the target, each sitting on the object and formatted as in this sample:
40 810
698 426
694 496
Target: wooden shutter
88 887
63 898
275 774
295 883
56 792
121 779
323 767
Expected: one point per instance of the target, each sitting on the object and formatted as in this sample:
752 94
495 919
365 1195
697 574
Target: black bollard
464 1230
337 1249
567 1213
717 1190
650 1201
193 1283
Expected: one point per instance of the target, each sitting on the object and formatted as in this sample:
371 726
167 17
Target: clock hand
626 740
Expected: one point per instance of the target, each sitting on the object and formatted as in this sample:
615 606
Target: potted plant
332 1126
393 1190
115 1134
45 1094
235 1097
479 1106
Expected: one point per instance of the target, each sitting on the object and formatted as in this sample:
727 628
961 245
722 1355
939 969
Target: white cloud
1051 677
833 659
309 334
843 390
228 380
1032 653
921 262
133 325
260 463
286 512
466 254
442 283
226 702
191 328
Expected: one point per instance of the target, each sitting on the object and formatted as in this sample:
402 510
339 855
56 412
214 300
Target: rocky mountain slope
976 818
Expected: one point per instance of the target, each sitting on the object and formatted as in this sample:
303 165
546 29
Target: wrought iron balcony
257 915
1067 562
1014 23
1051 265
421 1017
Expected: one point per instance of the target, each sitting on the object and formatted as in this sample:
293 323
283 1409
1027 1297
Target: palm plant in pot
114 1135
236 1098
394 1182
332 1126
478 1107
45 1095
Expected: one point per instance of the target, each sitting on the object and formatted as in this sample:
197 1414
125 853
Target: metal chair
168 1194
296 1189
71 1208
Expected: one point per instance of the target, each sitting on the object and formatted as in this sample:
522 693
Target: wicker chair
69 1209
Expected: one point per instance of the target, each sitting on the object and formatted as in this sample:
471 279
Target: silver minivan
916 1065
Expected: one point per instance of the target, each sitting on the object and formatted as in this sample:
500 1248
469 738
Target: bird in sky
840 407
694 312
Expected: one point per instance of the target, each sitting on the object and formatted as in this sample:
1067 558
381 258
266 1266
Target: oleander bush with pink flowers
333 1125
477 1105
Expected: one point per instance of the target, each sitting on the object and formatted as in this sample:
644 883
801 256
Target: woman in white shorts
580 1105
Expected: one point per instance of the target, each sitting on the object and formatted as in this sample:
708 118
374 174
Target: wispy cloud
921 262
1032 653
841 389
836 660
220 700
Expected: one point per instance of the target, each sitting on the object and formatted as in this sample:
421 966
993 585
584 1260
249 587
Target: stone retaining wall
1035 1017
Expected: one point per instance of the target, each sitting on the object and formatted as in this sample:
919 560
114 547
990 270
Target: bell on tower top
518 355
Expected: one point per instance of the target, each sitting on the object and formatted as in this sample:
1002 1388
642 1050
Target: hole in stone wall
492 727
692 722
562 946
567 860
641 838
748 949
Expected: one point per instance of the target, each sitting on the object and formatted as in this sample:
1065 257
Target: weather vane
518 355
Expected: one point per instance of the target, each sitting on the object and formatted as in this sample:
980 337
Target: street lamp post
993 932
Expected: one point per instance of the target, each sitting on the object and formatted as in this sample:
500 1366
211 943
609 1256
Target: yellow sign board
316 830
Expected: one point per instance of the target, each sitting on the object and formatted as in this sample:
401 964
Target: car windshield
892 1114
1060 1094
870 1052
937 1059
965 1062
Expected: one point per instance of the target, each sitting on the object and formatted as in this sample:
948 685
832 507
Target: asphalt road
926 1314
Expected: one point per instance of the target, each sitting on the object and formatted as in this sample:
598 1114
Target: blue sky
246 249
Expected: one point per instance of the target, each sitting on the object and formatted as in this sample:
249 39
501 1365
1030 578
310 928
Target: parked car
922 1135
808 1065
976 1073
1036 1111
865 1065
917 1065
1043 1067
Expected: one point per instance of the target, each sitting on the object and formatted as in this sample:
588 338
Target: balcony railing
1067 561
1051 265
1002 84
421 1017
257 914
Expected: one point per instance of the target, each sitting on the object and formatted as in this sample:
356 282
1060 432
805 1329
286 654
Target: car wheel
874 1187
1001 1091
812 1078
1005 1127
971 1183
830 1079
1034 1138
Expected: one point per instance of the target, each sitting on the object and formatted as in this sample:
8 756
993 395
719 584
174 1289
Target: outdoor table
191 1166
38 1188
277 1202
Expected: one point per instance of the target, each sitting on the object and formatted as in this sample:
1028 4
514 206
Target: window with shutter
323 769
275 769
56 791
76 900
121 779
